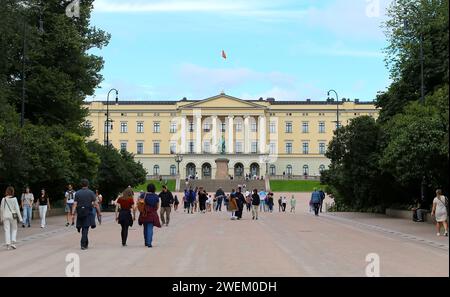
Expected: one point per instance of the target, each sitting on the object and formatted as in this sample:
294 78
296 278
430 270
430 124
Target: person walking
315 201
283 203
192 199
293 203
196 199
124 206
256 200
220 195
270 202
26 202
233 206
83 203
440 212
279 204
202 198
69 198
99 200
248 200
176 202
262 197
9 215
186 200
43 203
322 198
149 216
240 199
166 205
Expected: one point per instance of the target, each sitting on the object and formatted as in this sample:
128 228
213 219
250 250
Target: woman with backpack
148 205
439 211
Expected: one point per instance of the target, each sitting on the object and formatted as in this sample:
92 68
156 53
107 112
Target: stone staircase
211 185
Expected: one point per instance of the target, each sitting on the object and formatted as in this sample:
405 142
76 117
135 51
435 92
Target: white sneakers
11 246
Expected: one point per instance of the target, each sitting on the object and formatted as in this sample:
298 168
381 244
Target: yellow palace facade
254 137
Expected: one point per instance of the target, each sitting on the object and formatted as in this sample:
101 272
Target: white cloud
173 6
355 17
199 76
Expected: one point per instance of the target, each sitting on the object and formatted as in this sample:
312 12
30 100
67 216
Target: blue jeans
262 206
148 234
27 215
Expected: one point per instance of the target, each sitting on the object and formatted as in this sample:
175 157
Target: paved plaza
278 244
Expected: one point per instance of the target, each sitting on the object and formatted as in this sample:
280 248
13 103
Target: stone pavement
278 244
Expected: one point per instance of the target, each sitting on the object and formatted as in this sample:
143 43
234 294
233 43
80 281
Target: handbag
14 214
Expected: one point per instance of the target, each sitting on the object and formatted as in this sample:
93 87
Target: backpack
141 204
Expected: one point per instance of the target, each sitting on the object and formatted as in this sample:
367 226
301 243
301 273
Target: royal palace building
253 137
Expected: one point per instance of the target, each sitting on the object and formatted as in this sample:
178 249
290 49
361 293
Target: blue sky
286 49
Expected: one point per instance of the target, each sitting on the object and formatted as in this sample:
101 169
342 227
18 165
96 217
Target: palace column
214 135
247 135
183 135
262 134
198 134
230 148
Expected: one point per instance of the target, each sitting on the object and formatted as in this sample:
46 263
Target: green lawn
294 185
143 187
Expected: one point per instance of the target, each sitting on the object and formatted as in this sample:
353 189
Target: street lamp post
337 110
178 159
24 53
417 12
107 113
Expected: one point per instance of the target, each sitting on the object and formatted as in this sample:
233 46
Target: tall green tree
409 21
354 177
59 69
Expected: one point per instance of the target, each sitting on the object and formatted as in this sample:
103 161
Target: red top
126 203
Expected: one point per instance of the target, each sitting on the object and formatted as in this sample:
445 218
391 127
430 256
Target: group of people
84 205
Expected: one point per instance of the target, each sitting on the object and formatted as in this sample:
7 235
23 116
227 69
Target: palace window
123 146
254 127
305 170
173 148
206 127
140 148
254 147
140 127
173 170
272 170
156 170
191 147
305 127
239 127
288 127
289 148
321 127
207 147
239 149
322 168
156 148
322 148
289 170
173 127
123 127
156 127
222 127
191 126
305 148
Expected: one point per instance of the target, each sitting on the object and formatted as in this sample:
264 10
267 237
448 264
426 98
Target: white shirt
6 212
70 196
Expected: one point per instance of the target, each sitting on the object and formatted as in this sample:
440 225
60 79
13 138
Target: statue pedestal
222 168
